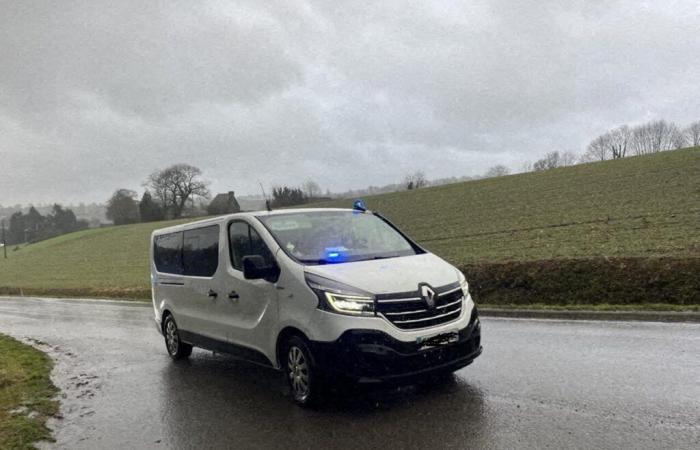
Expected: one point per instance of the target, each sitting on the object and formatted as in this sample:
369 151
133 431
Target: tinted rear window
167 253
201 251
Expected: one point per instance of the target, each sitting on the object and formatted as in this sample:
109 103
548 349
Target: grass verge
572 283
136 294
26 395
655 307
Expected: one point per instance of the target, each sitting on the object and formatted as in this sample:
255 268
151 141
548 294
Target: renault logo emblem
428 295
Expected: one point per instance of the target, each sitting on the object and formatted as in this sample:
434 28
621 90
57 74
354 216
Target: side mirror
254 268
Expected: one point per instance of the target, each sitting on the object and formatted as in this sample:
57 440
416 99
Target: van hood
385 276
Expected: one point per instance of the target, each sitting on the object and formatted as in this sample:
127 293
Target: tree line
33 226
168 193
644 139
172 193
620 142
308 192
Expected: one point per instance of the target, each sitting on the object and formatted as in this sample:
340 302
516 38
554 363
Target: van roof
246 214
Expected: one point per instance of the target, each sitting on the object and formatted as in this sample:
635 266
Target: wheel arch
283 336
163 316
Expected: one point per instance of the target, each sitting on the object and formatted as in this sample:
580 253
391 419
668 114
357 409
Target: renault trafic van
319 294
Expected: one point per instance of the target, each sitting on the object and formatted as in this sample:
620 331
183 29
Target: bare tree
650 137
613 144
642 141
677 138
657 135
311 189
416 180
618 140
550 161
177 184
654 137
692 134
567 158
497 171
598 149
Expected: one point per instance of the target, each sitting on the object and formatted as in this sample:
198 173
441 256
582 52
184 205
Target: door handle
212 293
233 295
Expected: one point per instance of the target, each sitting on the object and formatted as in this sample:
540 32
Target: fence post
4 242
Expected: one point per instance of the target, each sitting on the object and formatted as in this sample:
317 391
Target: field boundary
126 294
589 281
523 284
623 316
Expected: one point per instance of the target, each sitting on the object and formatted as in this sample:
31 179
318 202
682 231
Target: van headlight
350 304
340 298
464 285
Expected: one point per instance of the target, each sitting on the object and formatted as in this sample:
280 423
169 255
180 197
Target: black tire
173 344
301 373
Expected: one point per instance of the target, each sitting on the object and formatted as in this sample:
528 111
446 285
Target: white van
317 293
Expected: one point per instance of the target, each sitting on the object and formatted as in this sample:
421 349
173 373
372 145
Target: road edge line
628 316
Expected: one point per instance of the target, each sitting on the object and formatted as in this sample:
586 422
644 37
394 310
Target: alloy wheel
298 372
171 337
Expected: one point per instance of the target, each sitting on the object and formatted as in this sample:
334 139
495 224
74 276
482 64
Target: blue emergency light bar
359 205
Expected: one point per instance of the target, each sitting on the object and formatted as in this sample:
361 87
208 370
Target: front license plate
437 341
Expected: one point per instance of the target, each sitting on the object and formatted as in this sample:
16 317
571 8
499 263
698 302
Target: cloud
96 95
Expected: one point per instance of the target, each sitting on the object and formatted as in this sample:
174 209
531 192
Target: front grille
409 311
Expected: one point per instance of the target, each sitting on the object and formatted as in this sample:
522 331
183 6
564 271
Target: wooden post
4 242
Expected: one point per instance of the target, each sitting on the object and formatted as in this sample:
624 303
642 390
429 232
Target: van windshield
328 237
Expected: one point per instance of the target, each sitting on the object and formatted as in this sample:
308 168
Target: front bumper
372 356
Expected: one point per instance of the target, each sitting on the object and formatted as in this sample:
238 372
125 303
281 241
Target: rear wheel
300 372
176 348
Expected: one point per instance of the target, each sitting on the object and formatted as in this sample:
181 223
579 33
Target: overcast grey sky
95 95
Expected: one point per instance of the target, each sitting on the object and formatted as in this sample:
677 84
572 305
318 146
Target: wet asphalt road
538 384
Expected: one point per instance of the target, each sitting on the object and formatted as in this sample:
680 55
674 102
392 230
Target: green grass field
26 395
640 207
106 262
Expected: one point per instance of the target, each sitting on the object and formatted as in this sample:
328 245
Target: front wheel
176 348
301 373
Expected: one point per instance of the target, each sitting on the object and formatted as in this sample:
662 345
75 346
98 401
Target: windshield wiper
313 261
381 257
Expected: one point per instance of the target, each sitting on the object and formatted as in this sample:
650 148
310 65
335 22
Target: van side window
238 242
200 256
244 241
167 253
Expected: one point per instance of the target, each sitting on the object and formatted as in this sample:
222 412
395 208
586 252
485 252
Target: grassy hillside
110 262
507 230
642 206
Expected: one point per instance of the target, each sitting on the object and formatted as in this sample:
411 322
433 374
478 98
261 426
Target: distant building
224 204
